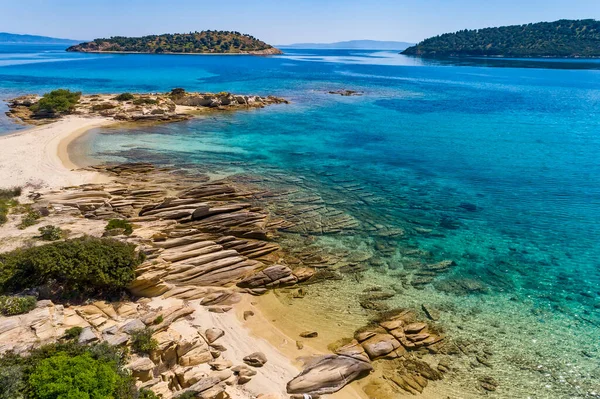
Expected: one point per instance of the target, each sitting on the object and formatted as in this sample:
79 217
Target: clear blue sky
281 21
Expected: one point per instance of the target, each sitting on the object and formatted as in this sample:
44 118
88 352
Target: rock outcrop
328 374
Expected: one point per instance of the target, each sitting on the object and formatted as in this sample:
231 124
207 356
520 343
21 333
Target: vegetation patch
145 101
14 305
124 97
55 103
67 371
103 106
51 233
7 201
81 267
73 332
142 341
114 224
29 218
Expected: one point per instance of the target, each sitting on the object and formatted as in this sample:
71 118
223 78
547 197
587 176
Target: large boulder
328 374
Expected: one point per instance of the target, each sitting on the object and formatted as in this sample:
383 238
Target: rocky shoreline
177 105
209 248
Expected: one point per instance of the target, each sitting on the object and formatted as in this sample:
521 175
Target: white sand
38 157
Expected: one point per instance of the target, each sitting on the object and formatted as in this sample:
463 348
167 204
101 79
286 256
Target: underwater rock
346 92
460 286
467 206
431 312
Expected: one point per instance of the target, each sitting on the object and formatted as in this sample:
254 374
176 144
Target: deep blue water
499 158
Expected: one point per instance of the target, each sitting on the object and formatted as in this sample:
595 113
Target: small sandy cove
38 157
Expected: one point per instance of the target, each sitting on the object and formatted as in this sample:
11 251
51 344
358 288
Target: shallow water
490 163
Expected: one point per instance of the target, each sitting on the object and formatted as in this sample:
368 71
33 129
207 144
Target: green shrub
66 370
80 267
124 97
50 233
7 201
103 106
159 319
8 193
147 394
64 376
178 92
187 395
29 219
73 332
145 101
119 224
59 101
142 341
13 305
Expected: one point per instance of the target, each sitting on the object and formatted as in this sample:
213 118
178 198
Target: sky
281 21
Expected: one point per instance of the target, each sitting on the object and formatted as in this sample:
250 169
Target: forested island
205 42
561 39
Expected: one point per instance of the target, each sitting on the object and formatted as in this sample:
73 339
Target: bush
79 267
119 224
59 101
73 332
67 370
177 92
142 341
103 106
30 218
64 376
159 319
147 394
124 97
188 395
8 193
50 233
7 201
145 101
13 305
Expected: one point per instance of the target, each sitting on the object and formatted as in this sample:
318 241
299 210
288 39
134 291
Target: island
204 42
559 39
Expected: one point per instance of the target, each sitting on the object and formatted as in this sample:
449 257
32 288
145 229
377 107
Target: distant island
352 44
32 39
560 39
205 42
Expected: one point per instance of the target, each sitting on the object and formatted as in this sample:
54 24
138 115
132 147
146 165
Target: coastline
41 158
38 157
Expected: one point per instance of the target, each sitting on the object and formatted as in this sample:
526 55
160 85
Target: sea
492 164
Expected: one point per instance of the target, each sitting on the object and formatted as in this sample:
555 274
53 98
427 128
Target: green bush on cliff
73 332
80 267
114 224
59 101
14 305
67 370
142 341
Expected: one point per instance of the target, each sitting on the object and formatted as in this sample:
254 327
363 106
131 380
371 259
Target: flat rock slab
328 374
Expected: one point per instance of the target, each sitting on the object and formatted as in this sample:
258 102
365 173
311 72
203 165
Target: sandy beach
38 157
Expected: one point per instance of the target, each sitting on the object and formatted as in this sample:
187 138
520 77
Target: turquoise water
490 163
